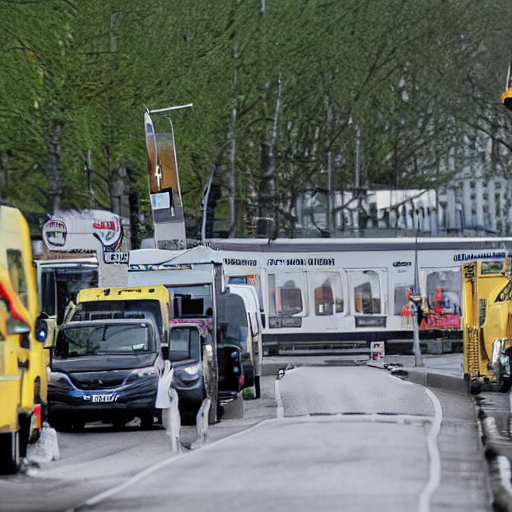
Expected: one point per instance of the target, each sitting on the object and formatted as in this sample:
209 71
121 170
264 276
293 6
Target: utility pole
415 305
357 177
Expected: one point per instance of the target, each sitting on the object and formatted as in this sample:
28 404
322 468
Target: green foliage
415 77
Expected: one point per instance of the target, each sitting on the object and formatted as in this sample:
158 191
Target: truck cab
195 279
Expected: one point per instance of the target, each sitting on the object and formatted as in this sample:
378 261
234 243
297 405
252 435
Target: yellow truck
23 359
487 323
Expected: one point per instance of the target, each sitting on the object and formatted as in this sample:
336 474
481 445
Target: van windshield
88 340
192 301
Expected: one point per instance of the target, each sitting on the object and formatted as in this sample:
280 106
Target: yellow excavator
487 314
487 323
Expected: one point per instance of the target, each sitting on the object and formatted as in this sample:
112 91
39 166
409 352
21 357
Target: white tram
345 293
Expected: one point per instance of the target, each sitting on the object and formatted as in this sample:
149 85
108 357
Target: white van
253 336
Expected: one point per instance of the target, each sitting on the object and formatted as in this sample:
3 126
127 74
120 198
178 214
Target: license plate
112 397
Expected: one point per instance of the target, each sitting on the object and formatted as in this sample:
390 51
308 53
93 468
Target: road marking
433 451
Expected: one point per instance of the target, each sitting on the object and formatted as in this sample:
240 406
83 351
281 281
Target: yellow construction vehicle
487 323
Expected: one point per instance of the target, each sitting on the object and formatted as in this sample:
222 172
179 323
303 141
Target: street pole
357 177
329 194
418 359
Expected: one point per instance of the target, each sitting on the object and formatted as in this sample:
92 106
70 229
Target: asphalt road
334 436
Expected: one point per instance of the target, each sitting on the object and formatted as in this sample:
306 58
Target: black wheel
119 423
505 385
475 387
10 453
257 387
146 421
60 422
188 416
78 424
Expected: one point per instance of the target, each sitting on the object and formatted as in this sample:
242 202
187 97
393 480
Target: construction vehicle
487 324
23 358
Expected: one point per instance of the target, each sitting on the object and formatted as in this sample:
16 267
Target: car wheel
10 453
146 421
257 387
119 423
78 424
60 423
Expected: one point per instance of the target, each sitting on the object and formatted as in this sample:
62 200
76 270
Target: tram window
401 298
323 301
285 294
492 267
291 300
272 294
366 286
443 291
327 292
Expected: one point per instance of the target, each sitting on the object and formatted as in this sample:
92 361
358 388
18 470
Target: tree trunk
267 192
52 165
134 204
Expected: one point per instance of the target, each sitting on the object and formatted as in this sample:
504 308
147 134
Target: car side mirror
246 356
42 328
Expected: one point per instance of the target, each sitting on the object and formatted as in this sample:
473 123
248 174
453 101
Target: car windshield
87 340
185 344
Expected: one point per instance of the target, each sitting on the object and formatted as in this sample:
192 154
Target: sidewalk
446 372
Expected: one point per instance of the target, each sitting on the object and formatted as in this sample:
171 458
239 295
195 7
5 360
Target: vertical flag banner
164 187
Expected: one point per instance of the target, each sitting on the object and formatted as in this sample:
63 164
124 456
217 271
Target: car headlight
148 371
60 378
189 374
193 369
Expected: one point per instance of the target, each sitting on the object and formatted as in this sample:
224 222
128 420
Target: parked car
195 372
104 370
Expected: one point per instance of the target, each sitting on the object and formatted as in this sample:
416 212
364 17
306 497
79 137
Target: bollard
174 421
202 422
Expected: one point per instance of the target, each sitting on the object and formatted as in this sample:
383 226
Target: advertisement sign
85 230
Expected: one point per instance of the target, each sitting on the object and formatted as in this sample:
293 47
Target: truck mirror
16 326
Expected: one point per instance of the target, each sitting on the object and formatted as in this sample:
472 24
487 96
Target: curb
437 380
498 453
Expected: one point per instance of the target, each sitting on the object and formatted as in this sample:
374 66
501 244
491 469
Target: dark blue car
104 370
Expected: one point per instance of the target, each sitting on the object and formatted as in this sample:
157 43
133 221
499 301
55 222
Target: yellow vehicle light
506 98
